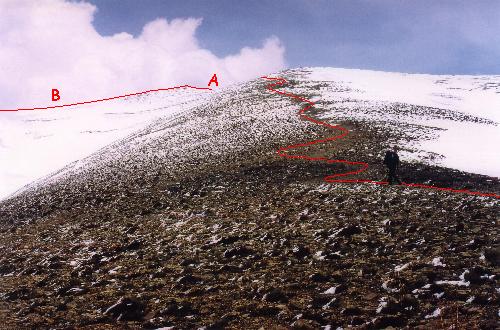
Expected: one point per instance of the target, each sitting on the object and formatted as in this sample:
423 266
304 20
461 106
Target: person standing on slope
391 160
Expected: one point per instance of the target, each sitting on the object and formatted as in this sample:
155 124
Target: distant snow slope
35 143
460 113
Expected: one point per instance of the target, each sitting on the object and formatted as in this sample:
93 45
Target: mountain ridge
195 222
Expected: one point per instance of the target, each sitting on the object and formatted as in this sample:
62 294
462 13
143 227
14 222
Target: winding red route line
106 99
278 82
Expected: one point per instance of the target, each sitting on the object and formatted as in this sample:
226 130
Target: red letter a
213 80
55 95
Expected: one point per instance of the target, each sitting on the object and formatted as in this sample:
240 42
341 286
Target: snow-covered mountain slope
35 143
228 125
446 120
194 207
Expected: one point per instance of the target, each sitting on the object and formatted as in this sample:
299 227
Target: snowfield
463 111
34 144
446 120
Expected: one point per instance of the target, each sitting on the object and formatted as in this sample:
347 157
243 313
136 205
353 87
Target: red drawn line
342 133
106 99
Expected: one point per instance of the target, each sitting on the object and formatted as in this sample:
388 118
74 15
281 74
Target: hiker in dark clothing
391 160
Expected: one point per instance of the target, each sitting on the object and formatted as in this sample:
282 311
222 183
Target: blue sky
427 36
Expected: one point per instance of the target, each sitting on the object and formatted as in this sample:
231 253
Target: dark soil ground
260 243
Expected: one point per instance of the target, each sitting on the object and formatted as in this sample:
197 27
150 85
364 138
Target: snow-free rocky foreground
194 221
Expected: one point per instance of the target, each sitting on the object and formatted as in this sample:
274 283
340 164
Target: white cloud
47 44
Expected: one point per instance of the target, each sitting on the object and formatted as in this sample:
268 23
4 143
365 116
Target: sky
93 49
423 36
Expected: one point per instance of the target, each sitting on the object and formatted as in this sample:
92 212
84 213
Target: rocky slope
195 222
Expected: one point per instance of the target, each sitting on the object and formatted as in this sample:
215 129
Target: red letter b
55 95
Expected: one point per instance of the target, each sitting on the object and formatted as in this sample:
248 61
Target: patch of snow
319 255
436 313
402 267
439 295
457 283
382 304
329 304
462 276
424 288
331 290
437 262
386 288
114 270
